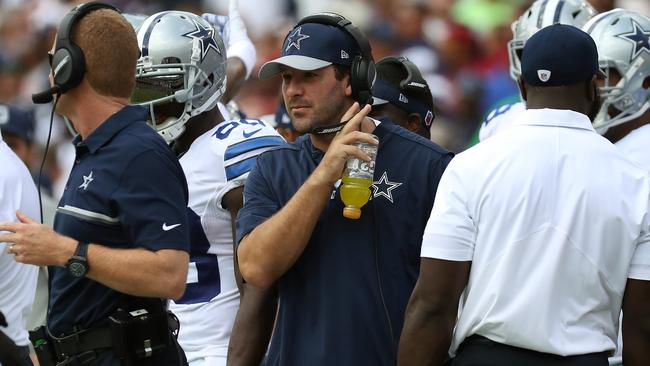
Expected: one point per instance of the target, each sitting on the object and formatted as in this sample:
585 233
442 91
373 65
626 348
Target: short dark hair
341 71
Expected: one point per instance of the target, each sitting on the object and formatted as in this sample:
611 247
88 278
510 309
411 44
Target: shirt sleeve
152 202
450 232
259 202
640 265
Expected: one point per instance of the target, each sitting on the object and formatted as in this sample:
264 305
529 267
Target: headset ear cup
359 80
68 67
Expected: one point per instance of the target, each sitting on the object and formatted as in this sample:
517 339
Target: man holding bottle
343 283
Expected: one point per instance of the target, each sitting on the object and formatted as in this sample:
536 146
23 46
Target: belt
82 341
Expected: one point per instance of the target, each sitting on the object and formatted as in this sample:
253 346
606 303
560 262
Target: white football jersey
216 162
17 280
499 119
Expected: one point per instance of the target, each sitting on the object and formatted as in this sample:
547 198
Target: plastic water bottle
357 179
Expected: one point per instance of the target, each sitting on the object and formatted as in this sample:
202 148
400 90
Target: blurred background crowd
459 45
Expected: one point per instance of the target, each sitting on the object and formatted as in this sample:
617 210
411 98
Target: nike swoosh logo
167 228
247 135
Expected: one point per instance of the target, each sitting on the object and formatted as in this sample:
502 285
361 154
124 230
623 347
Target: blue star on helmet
295 38
639 37
205 36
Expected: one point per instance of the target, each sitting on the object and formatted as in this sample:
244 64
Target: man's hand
35 243
342 146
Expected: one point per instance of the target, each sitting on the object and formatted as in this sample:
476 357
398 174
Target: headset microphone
45 97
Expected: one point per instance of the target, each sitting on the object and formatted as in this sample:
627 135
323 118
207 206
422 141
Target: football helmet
183 61
542 14
622 38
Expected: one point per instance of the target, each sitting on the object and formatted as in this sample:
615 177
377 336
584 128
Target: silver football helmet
622 38
183 61
542 14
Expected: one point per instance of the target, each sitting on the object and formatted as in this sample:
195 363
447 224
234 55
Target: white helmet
622 38
183 61
542 14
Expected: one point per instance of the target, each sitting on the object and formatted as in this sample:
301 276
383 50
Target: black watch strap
82 250
78 264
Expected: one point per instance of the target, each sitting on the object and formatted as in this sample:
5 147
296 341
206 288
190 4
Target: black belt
82 341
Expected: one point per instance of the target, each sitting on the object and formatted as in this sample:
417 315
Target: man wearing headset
120 241
402 95
343 284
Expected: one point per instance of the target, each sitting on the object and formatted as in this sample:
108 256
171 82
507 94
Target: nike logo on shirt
167 228
249 134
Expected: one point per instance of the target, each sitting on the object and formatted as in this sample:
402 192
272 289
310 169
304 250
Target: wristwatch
78 264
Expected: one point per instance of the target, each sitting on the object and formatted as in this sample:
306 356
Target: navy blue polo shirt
331 310
126 190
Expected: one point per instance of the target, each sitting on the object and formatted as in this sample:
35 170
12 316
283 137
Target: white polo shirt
554 219
17 281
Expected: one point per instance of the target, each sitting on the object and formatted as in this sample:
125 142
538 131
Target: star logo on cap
639 37
295 38
205 36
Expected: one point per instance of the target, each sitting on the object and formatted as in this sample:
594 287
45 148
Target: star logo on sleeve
639 37
87 179
206 37
295 38
384 187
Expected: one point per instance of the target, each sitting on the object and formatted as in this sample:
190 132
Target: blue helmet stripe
558 11
540 18
147 35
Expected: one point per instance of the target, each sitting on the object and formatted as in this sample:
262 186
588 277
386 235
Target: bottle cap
352 212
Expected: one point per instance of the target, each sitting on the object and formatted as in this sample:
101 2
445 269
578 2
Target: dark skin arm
636 323
236 76
431 312
256 316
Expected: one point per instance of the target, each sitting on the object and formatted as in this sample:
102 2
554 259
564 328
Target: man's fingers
354 109
355 152
9 226
358 136
355 122
8 238
24 218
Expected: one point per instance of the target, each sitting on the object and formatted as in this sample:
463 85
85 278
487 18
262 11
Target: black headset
68 62
362 70
412 72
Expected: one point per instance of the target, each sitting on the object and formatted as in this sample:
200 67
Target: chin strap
326 130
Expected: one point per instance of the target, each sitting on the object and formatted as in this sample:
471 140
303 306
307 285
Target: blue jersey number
497 112
224 131
208 285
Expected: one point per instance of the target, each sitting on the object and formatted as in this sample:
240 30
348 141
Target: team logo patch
428 119
295 38
87 180
544 75
384 188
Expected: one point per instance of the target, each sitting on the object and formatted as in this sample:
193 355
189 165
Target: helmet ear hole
646 82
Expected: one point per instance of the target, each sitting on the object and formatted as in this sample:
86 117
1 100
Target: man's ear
413 122
522 88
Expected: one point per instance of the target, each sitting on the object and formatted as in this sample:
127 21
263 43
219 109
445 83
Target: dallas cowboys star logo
295 38
87 180
205 36
384 187
639 37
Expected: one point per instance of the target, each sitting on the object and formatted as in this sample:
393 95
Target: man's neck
92 110
196 127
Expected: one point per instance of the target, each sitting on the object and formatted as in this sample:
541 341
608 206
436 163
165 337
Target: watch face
77 269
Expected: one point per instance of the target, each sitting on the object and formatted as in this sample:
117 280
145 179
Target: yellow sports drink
357 179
